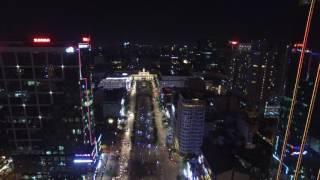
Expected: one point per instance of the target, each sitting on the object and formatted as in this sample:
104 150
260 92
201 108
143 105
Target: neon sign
41 40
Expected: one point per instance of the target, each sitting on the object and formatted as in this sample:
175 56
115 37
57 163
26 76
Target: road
149 158
107 166
126 142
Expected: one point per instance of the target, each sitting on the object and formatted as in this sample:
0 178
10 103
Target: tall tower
41 109
311 157
190 123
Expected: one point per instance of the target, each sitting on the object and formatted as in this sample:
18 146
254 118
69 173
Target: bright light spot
99 164
82 160
70 49
17 66
173 109
185 61
82 155
99 138
299 45
297 153
124 74
83 45
233 42
23 105
50 92
62 66
40 117
110 120
86 39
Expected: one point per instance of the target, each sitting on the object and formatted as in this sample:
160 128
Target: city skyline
150 90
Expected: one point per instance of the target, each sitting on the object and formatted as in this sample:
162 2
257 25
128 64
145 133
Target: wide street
145 157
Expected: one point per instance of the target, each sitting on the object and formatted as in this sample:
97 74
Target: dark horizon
155 22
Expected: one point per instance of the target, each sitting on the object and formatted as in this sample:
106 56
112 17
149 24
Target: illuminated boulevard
143 152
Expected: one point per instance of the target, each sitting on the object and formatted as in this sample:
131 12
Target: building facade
253 70
311 158
45 109
189 128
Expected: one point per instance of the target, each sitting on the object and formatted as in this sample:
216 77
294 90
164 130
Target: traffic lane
144 161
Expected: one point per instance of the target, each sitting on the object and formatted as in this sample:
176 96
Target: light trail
294 96
306 128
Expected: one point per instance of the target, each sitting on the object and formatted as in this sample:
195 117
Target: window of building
70 59
26 73
17 111
8 59
11 73
45 110
31 98
21 134
24 59
43 86
39 59
42 73
54 59
34 123
32 111
44 99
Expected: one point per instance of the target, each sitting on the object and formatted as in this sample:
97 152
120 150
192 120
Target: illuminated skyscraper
253 70
45 108
311 157
190 123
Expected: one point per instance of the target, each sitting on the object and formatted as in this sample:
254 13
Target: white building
173 81
115 83
190 124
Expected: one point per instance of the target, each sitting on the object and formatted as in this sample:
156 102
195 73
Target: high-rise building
311 158
189 127
253 70
46 108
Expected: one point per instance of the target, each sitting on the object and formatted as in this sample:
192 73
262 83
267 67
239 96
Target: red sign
233 42
86 39
41 40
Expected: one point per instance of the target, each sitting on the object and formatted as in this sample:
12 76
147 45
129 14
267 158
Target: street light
110 121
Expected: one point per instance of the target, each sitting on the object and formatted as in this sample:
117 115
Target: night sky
153 21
